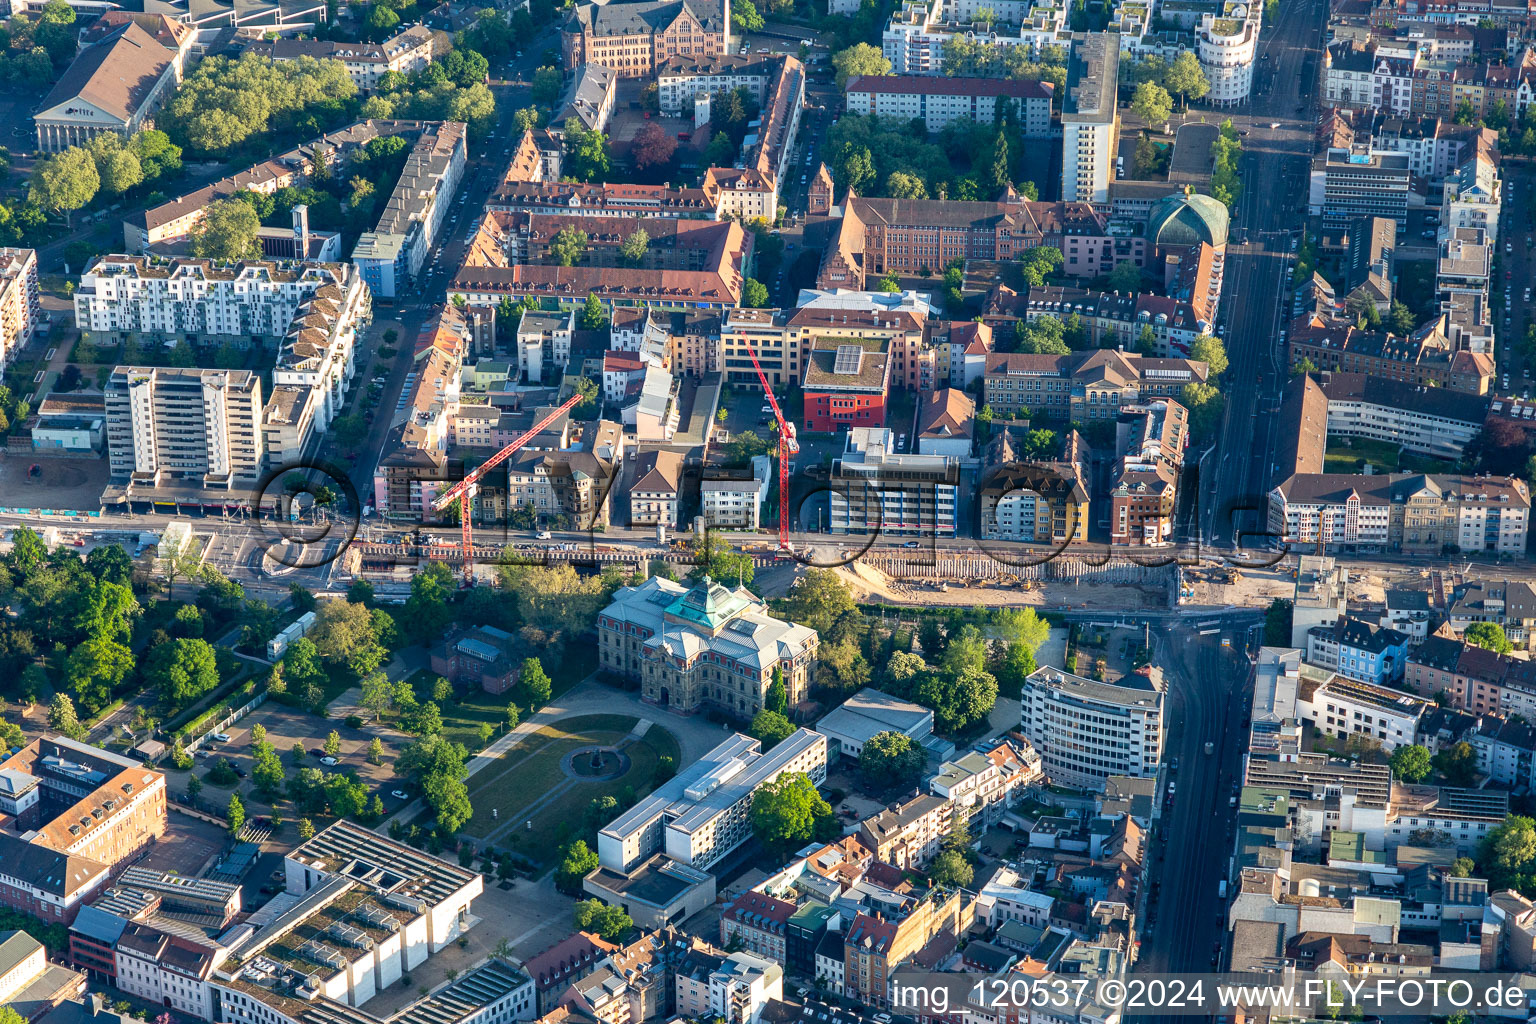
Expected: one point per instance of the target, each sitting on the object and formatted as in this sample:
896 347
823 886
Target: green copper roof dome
1187 220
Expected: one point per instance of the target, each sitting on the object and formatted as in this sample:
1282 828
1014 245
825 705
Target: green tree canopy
1411 763
227 231
890 760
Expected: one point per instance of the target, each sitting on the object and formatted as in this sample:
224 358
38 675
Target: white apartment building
737 988
985 783
940 100
1228 44
1086 731
391 255
1343 707
201 427
914 36
543 338
1435 421
1008 897
1089 120
19 306
703 813
1472 197
680 81
250 302
408 51
737 504
1358 182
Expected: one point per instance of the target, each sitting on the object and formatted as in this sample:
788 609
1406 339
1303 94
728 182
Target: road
487 161
1209 691
1236 474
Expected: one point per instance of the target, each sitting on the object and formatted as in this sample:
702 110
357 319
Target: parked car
329 761
219 737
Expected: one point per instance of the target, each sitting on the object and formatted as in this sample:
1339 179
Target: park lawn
532 773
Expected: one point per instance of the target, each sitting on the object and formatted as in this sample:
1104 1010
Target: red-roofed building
563 964
758 923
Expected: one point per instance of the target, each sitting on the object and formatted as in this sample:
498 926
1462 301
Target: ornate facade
705 645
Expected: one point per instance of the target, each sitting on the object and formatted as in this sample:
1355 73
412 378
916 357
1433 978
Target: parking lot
187 845
286 726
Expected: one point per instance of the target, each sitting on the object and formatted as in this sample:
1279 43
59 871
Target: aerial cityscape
767 512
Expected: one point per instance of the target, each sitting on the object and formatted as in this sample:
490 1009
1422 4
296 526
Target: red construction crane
466 488
787 446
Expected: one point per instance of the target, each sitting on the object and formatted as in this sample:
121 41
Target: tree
594 316
586 152
426 610
194 787
1508 853
1205 405
1277 623
949 869
1151 103
999 174
380 20
958 700
267 770
1187 78
1302 366
859 59
903 185
340 630
378 692
181 671
1400 318
442 690
890 760
1489 636
333 743
117 165
770 728
1210 350
1144 162
744 16
787 810
227 231
1411 763
568 246
94 669
1022 626
1126 277
514 715
635 245
234 814
61 717
64 183
1039 263
653 145
1044 335
1457 764
306 830
817 599
579 861
715 558
610 923
375 751
548 84
754 294
777 699
535 683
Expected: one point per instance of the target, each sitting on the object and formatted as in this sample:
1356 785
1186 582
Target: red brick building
907 236
635 38
846 383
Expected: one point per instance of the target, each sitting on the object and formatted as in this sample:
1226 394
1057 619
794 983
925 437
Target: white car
329 761
400 794
219 737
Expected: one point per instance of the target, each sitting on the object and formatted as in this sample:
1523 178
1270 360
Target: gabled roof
946 413
115 75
